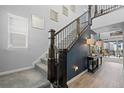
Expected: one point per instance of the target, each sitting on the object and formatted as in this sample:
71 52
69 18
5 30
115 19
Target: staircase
42 64
61 42
65 39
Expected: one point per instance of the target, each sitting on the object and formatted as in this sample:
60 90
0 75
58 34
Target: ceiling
109 28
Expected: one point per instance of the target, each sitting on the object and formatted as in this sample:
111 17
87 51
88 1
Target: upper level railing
98 10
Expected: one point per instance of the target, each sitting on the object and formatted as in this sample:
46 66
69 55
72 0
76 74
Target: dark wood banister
71 45
70 23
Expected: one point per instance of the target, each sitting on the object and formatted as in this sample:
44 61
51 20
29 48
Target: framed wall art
37 22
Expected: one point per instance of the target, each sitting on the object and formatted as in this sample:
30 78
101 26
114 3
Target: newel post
51 58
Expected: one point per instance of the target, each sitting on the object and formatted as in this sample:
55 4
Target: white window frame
9 32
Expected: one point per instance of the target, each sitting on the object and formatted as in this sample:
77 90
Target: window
17 31
65 11
53 15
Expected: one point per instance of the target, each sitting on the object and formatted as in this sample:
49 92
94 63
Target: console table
93 63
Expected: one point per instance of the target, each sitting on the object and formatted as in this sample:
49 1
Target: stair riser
44 61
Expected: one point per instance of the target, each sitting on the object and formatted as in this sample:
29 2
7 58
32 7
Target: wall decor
37 22
53 15
73 8
65 11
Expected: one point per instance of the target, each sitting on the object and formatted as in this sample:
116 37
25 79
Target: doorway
113 51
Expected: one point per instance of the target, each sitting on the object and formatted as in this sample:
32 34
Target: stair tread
30 78
42 66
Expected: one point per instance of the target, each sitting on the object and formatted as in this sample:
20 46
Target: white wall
116 16
38 39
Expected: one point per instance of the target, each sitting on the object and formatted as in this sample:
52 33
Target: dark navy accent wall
78 56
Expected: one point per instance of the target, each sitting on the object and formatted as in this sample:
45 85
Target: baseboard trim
76 77
15 70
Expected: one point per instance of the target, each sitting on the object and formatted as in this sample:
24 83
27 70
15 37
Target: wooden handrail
70 23
71 45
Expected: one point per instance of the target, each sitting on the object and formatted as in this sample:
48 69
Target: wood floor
109 75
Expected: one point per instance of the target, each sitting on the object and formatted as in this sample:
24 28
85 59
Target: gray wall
11 59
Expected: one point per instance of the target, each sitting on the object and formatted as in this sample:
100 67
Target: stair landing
24 79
